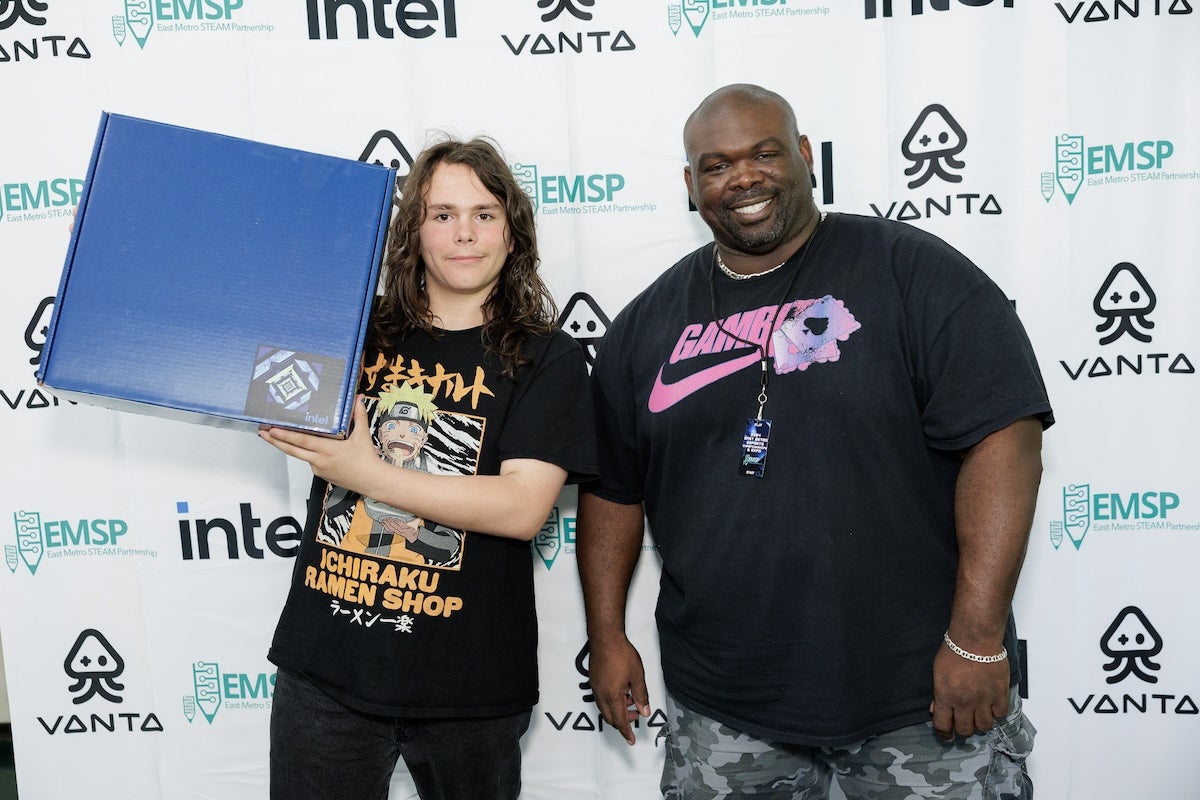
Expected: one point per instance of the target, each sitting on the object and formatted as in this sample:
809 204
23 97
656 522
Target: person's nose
744 174
464 231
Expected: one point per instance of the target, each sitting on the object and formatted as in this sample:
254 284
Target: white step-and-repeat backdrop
145 561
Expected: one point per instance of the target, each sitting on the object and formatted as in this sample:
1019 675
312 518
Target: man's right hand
619 684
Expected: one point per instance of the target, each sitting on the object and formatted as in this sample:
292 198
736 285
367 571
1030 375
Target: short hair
740 94
518 305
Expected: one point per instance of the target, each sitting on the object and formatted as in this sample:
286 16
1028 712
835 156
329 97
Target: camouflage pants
706 760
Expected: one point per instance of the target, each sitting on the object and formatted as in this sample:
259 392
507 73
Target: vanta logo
214 689
934 145
1104 165
1131 645
29 11
93 666
575 38
386 149
1143 511
876 8
140 17
1117 10
28 46
1124 303
1130 641
588 719
586 322
31 397
412 19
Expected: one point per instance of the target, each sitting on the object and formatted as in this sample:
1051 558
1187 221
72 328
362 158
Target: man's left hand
968 697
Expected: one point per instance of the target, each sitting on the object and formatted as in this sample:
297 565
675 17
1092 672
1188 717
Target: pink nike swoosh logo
665 395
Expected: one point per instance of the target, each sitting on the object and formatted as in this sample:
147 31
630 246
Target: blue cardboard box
218 280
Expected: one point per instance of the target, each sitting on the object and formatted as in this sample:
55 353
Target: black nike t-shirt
806 606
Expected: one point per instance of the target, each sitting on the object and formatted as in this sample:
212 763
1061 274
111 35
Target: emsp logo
140 17
213 688
694 12
1076 165
1084 510
556 536
551 190
56 538
46 199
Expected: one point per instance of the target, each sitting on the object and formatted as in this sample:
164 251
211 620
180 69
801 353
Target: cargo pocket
1012 741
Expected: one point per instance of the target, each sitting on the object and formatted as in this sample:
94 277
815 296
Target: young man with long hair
410 629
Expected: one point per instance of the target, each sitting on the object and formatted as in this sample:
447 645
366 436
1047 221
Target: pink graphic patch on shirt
810 333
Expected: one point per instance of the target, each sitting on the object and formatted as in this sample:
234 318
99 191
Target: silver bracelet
958 651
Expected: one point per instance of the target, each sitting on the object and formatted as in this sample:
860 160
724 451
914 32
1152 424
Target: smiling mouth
753 208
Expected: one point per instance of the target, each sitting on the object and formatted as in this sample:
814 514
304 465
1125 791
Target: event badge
754 447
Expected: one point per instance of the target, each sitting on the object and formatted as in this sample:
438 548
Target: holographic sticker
809 334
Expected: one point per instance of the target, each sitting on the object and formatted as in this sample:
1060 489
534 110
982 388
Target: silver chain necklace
738 276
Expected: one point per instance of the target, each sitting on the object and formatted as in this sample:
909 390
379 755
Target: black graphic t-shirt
391 613
806 605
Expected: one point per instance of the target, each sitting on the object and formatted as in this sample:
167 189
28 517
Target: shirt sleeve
622 479
980 373
550 418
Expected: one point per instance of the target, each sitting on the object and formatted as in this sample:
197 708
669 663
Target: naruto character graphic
402 419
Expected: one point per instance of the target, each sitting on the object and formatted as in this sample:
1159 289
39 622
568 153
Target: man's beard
784 223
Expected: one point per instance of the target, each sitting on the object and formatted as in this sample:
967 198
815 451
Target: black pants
321 750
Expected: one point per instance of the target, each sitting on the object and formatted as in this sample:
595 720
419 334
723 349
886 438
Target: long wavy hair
518 306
